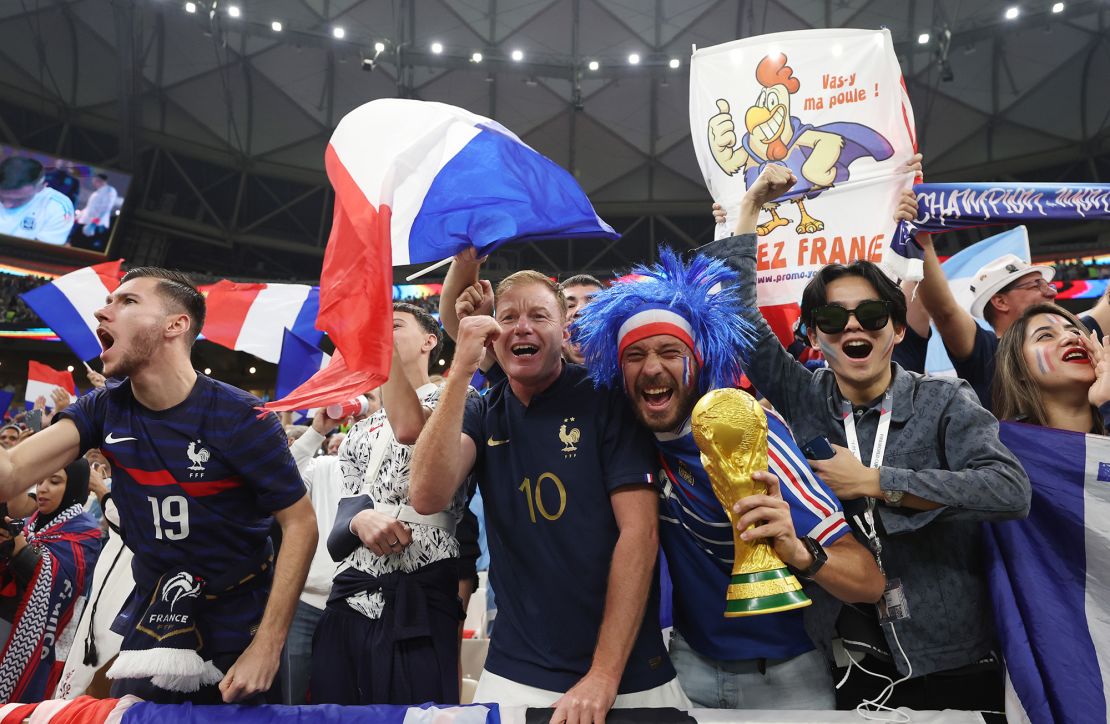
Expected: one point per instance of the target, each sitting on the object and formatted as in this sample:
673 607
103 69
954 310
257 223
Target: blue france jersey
546 472
195 486
697 538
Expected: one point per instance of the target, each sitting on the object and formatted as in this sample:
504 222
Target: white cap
997 274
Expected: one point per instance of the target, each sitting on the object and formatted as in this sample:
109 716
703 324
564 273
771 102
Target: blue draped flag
1050 578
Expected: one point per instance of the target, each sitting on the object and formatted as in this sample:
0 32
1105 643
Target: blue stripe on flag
496 190
305 324
300 360
1037 571
54 308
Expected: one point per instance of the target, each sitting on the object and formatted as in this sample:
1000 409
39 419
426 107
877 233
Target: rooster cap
695 302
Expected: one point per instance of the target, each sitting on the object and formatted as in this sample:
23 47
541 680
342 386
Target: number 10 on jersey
534 496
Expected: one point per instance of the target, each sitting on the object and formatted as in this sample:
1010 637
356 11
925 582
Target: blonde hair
529 276
1016 395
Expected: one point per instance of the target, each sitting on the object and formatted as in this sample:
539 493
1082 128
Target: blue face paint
685 371
829 350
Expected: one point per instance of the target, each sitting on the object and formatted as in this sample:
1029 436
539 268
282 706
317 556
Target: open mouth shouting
524 349
657 397
1076 355
105 338
857 349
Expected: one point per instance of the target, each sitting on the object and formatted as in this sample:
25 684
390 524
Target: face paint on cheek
1044 363
889 345
685 371
829 350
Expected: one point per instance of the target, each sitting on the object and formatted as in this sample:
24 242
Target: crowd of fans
1077 270
12 309
564 444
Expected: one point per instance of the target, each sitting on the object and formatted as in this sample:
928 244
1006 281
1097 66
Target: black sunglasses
833 318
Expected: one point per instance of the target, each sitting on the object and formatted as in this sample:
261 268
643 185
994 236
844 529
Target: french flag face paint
685 370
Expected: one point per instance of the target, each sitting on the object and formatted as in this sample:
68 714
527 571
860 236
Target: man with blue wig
668 338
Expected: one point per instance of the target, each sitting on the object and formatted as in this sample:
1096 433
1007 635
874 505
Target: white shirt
98 209
325 488
47 217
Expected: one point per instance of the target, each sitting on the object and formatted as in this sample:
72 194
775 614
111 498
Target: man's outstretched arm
38 457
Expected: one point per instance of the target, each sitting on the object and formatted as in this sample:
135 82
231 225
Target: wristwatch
820 557
893 497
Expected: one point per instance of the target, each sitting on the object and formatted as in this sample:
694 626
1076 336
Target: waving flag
299 361
1050 579
418 182
253 317
960 269
67 305
41 381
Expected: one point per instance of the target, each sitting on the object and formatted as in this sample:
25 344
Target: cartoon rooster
569 439
819 156
199 458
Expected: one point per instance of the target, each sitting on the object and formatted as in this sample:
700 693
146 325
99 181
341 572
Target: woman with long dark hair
47 570
1051 372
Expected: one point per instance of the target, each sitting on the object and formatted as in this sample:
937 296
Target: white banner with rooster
830 105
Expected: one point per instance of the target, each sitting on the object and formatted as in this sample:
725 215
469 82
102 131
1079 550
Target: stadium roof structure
223 118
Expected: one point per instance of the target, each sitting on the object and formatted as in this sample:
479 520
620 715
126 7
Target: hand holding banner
830 106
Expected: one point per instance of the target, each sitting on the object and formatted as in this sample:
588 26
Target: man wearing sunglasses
937 469
1004 289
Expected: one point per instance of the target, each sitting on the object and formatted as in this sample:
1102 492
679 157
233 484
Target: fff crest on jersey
569 438
198 456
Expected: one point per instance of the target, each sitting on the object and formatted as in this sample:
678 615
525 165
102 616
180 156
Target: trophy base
752 594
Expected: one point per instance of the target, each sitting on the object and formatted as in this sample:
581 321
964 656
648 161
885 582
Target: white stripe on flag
37 388
401 128
85 291
1096 516
274 310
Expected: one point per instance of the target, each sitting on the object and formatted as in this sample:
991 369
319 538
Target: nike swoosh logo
494 443
109 440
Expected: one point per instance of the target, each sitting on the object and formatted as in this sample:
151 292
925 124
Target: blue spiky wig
674 298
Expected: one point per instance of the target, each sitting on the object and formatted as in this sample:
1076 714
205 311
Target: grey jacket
944 447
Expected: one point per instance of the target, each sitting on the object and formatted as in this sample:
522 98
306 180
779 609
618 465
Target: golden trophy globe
730 429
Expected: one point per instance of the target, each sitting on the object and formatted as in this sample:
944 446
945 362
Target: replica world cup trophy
730 429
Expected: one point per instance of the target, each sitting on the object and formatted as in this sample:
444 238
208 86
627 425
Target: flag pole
431 268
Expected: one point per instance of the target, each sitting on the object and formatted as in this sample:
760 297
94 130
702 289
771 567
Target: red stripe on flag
356 297
109 273
55 378
228 304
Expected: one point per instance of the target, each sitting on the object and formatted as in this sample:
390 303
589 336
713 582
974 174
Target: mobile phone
34 420
818 449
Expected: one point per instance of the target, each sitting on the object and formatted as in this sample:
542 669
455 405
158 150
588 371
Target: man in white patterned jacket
389 634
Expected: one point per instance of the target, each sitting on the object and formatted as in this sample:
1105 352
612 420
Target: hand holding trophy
730 429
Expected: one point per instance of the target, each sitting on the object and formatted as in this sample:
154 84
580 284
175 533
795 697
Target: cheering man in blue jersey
667 340
196 477
565 475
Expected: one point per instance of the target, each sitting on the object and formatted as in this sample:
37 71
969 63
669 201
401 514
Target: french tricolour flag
451 179
1050 579
253 317
41 381
418 182
960 270
67 305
